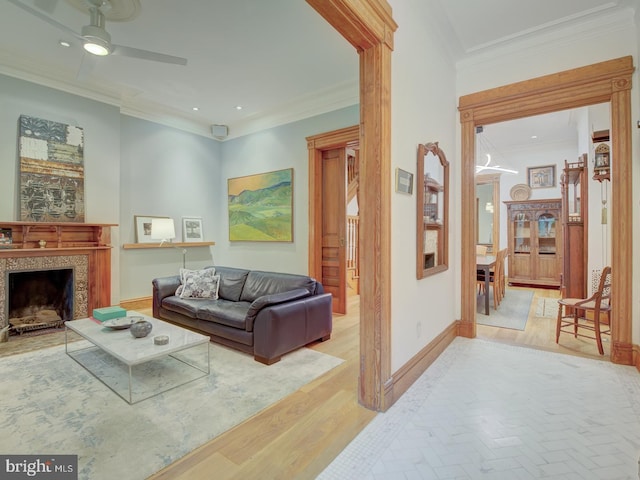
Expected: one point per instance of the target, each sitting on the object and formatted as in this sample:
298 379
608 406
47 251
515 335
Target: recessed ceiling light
195 109
238 107
534 136
64 43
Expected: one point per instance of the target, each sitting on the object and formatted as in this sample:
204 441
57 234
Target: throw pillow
183 273
200 284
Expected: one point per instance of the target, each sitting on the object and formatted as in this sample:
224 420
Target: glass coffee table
138 368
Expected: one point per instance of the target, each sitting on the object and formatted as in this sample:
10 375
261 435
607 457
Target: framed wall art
51 171
192 229
261 207
404 181
542 177
143 228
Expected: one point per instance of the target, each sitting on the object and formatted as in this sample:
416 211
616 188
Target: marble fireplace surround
79 264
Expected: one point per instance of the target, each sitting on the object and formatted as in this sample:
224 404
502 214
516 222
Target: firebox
39 298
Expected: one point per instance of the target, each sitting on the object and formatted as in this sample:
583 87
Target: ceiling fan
95 38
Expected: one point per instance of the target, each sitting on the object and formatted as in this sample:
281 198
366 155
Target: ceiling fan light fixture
97 40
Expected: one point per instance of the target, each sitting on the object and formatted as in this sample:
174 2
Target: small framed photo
404 181
143 228
192 229
542 177
5 238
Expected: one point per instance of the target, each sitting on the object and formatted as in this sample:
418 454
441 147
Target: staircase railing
353 234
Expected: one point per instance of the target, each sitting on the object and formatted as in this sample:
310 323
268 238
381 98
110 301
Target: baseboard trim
411 371
137 303
636 357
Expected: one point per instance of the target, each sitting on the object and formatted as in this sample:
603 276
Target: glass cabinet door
547 223
522 233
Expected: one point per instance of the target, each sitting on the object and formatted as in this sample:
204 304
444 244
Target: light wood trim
363 23
137 303
467 327
133 246
416 366
375 227
315 145
608 81
369 26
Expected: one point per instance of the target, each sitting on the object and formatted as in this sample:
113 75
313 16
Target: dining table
484 263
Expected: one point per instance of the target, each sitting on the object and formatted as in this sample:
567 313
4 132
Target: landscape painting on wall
261 207
51 171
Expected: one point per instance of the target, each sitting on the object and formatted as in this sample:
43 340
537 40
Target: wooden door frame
608 81
316 145
368 25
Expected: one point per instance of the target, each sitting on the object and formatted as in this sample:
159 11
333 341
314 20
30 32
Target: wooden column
467 327
621 233
368 25
375 233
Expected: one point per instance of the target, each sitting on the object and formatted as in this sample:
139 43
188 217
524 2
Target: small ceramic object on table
140 327
161 339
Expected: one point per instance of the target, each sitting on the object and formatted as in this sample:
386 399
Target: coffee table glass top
131 351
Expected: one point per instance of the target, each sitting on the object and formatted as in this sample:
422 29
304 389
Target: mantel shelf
130 246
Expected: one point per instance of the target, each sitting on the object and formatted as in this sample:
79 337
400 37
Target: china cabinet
535 242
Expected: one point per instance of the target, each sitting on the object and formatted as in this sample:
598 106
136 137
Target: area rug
512 312
547 308
51 405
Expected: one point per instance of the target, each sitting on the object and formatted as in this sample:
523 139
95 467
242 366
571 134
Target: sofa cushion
184 306
273 299
231 282
183 273
224 312
200 284
259 284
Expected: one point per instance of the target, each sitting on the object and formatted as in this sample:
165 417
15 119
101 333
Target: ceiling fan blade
147 55
48 6
87 64
37 13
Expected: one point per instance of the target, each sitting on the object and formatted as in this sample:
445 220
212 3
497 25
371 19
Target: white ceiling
278 58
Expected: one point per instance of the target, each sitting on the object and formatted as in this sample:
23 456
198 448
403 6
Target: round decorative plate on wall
520 191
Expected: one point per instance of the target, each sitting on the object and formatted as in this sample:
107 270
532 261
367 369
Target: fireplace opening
39 298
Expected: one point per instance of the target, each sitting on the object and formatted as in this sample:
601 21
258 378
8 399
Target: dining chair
496 278
575 314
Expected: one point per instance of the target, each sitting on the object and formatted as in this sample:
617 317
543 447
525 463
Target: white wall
423 110
274 149
605 39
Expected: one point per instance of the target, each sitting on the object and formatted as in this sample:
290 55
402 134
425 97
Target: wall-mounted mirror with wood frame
488 211
432 193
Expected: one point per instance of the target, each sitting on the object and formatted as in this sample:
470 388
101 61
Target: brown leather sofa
266 314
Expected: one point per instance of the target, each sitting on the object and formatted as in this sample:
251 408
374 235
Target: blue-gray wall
137 167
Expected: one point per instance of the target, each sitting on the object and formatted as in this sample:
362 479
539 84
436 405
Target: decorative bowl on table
140 328
119 323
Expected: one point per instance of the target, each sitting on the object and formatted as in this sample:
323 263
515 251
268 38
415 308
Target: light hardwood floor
299 436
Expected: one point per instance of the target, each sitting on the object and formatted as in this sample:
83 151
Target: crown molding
553 36
323 101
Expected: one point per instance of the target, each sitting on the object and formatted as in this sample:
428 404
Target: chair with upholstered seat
577 314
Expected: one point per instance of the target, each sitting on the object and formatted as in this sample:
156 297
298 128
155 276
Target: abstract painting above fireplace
51 171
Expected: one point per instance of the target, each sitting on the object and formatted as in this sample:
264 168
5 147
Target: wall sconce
164 229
